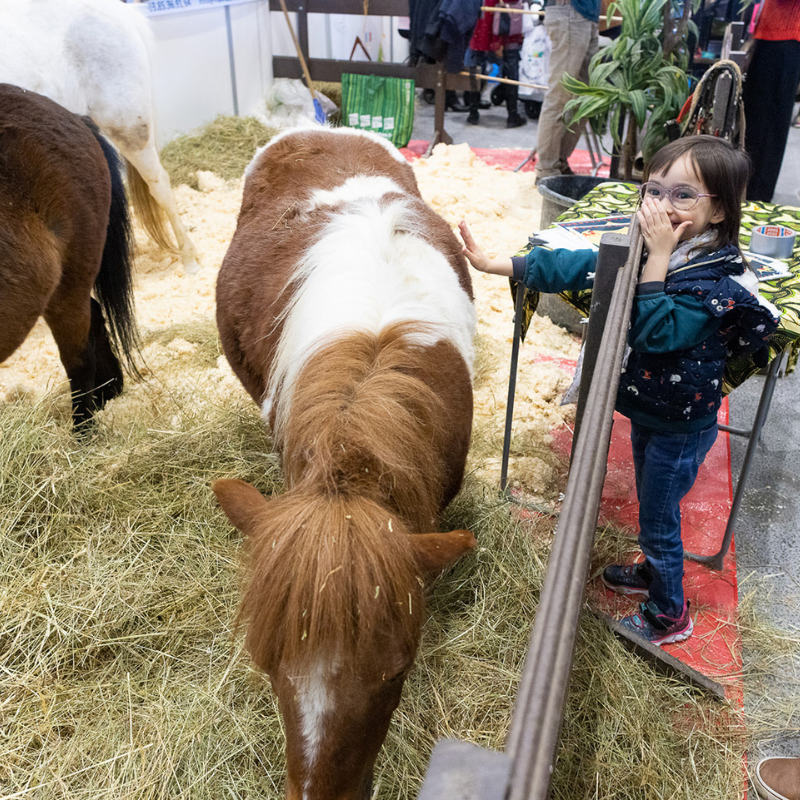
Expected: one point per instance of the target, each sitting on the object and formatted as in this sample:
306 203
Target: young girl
696 305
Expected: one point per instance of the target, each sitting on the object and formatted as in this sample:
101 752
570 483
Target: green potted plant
633 77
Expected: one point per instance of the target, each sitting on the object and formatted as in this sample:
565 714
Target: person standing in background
769 90
485 41
573 31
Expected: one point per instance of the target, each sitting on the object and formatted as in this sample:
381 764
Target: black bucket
559 192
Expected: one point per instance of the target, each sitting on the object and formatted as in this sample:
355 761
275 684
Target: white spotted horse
345 308
93 58
64 232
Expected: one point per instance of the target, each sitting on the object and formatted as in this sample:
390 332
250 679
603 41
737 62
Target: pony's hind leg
94 372
30 269
108 380
147 169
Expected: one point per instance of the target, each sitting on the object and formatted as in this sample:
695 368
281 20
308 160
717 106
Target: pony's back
333 237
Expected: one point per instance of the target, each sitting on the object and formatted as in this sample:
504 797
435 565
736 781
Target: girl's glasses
682 197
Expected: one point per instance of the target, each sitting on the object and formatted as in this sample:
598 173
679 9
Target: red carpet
714 648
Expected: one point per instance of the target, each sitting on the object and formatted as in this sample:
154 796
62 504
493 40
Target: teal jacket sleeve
553 271
663 323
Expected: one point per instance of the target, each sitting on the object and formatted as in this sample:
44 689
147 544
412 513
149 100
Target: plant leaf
638 104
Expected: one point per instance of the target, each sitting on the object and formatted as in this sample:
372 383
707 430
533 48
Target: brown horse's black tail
114 283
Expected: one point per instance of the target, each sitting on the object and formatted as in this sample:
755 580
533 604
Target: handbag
507 24
379 104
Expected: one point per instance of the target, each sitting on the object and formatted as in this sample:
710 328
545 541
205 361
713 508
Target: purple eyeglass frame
669 192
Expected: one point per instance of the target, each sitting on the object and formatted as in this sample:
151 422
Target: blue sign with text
167 6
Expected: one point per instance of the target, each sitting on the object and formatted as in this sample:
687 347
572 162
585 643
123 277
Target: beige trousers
574 41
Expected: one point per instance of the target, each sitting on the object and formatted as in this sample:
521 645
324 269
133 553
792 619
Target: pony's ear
434 551
241 502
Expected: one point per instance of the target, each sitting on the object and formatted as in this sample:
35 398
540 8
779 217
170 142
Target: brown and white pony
64 232
345 308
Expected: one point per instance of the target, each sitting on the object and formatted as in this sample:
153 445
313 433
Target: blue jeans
666 466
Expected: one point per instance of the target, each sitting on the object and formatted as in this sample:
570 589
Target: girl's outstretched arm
479 260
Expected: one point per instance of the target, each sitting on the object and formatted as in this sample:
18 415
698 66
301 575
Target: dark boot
473 99
451 102
514 120
511 69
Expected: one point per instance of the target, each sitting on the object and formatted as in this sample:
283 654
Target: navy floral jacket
680 389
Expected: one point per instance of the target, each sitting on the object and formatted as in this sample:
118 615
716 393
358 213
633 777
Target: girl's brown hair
723 169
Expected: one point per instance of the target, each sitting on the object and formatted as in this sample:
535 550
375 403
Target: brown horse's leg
17 325
92 367
30 268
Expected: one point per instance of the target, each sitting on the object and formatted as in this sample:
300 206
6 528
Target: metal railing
461 771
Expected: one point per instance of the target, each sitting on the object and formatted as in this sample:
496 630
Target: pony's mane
328 574
364 422
332 564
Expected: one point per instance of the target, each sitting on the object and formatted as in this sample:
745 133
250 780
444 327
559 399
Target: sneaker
658 628
778 778
631 579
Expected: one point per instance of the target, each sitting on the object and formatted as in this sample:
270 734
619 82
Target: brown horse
64 230
345 308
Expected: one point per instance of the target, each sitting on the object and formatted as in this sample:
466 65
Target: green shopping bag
379 104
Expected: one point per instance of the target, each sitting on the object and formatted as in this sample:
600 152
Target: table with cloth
613 199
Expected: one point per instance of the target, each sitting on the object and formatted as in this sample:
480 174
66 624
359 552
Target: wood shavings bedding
502 209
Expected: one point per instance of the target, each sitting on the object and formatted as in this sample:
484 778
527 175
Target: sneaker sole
626 590
680 636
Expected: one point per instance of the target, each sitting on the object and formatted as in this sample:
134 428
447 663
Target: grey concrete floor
767 534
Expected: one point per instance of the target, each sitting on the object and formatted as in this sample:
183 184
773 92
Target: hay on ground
224 147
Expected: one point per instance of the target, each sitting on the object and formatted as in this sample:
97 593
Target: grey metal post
232 61
611 258
512 384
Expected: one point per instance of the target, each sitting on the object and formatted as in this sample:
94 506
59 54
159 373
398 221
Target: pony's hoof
191 266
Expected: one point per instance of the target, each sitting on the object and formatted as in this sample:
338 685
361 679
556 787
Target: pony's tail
148 211
114 283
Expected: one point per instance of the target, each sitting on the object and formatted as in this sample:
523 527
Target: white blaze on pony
92 57
345 308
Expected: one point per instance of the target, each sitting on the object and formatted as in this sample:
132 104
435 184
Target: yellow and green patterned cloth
612 199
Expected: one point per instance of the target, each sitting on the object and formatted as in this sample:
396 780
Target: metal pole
232 61
512 383
612 257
